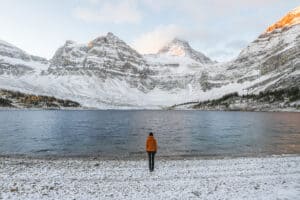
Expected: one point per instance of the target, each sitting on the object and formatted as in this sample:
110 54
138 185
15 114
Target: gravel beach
273 177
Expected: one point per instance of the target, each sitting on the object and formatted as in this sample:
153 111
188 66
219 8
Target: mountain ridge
108 73
290 19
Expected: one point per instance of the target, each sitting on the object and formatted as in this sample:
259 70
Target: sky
218 28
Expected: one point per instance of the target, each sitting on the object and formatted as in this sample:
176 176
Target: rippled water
123 133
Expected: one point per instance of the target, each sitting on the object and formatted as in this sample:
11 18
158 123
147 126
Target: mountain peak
110 34
181 48
69 42
296 10
292 18
179 41
177 47
109 38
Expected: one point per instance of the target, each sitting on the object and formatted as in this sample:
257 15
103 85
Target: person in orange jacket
151 148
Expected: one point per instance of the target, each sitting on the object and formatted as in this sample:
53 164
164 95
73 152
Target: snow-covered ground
276 177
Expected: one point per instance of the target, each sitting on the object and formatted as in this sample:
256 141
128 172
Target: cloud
217 46
219 28
115 11
151 42
216 28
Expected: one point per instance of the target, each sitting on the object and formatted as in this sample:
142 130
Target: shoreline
141 157
275 177
279 110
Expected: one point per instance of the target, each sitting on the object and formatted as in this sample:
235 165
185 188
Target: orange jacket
151 145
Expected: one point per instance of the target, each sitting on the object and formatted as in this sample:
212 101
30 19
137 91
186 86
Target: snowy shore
276 177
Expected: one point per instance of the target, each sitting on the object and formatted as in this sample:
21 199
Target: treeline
216 102
5 103
7 98
48 101
287 95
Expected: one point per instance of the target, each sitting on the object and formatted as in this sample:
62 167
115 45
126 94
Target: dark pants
151 160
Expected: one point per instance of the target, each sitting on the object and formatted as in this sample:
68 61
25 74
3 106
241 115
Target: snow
182 49
264 45
37 66
93 92
274 177
296 10
5 43
97 76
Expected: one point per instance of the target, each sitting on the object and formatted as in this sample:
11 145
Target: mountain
106 53
274 55
17 62
182 48
267 67
108 73
177 59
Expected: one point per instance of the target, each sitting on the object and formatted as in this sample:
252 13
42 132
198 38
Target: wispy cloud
104 11
221 28
152 41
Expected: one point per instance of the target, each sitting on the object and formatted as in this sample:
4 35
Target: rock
196 193
16 189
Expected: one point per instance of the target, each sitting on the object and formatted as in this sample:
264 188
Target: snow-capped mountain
108 73
106 53
17 62
274 57
181 48
178 58
105 58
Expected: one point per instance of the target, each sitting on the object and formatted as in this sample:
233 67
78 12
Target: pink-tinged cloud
152 41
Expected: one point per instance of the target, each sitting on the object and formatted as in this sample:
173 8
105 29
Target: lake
115 133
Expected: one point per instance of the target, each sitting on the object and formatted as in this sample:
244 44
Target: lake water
123 133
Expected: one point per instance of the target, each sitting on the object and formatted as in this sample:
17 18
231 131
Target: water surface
123 133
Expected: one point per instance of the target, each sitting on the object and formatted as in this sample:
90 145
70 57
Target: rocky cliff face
274 55
103 54
107 58
110 58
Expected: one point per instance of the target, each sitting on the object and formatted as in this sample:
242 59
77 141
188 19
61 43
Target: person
151 148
